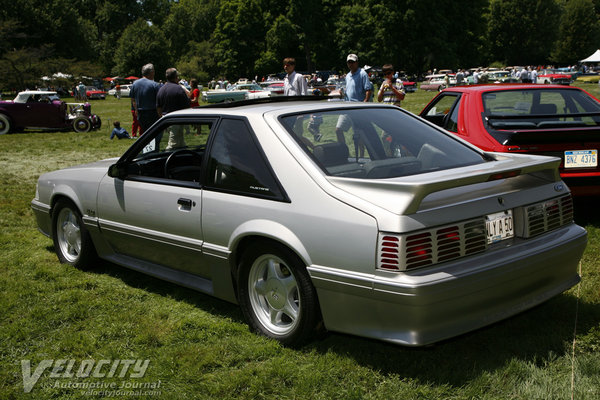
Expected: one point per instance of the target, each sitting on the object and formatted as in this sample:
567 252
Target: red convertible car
93 93
552 120
44 110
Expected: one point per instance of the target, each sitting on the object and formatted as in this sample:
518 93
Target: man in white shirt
294 83
534 75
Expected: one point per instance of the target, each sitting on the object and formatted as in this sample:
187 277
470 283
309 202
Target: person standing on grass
358 88
194 93
392 89
135 126
172 97
294 83
143 94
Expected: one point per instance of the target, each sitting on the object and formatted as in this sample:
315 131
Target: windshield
376 143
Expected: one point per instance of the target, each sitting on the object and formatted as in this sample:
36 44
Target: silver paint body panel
332 224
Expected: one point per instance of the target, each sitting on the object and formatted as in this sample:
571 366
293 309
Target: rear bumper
425 306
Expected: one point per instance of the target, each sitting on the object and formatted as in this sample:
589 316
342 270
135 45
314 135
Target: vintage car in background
237 92
496 76
547 120
276 88
125 90
409 86
547 76
388 227
438 82
44 110
93 93
501 77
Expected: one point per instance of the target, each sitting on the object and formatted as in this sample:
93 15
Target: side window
175 152
236 162
440 109
452 124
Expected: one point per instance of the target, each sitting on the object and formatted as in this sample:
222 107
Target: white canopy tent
594 58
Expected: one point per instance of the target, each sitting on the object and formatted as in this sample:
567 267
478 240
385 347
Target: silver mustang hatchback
359 218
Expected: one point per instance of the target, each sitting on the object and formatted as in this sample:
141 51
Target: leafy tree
281 41
199 62
111 19
41 23
522 32
23 68
239 37
579 32
141 43
190 21
354 33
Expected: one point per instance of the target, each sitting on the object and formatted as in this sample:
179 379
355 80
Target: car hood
405 195
91 172
102 164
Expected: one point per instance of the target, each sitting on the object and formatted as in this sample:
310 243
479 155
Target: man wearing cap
358 85
358 88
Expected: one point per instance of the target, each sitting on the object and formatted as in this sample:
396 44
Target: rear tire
5 125
276 295
72 242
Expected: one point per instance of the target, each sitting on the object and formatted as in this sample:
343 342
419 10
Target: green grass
200 348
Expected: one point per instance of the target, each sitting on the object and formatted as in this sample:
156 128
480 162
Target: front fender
65 191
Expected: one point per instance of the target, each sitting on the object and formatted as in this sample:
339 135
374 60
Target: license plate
581 158
499 226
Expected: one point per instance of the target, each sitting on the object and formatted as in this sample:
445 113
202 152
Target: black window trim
204 178
161 124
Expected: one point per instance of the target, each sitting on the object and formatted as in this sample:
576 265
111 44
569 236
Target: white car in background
125 89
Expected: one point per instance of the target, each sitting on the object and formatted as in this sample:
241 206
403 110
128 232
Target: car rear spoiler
404 195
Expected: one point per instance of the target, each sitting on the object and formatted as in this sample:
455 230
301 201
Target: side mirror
117 170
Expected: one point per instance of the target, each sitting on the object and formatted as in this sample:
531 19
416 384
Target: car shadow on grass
587 211
536 337
164 288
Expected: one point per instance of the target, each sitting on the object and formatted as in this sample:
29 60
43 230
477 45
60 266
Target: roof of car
30 92
24 95
277 103
505 86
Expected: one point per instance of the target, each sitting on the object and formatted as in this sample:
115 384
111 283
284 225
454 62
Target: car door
151 211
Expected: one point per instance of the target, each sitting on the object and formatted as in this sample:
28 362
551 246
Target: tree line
247 38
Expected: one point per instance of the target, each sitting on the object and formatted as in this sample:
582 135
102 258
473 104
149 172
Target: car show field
200 347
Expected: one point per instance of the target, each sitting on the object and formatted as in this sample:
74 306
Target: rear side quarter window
237 163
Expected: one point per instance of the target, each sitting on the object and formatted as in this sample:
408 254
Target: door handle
185 204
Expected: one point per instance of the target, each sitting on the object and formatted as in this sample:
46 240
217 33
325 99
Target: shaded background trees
235 38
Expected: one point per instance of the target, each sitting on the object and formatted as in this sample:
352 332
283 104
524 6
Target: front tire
82 125
276 295
4 124
72 241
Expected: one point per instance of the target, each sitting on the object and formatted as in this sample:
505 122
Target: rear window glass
376 143
537 108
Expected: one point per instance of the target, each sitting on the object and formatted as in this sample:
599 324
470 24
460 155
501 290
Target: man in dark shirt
172 97
143 92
